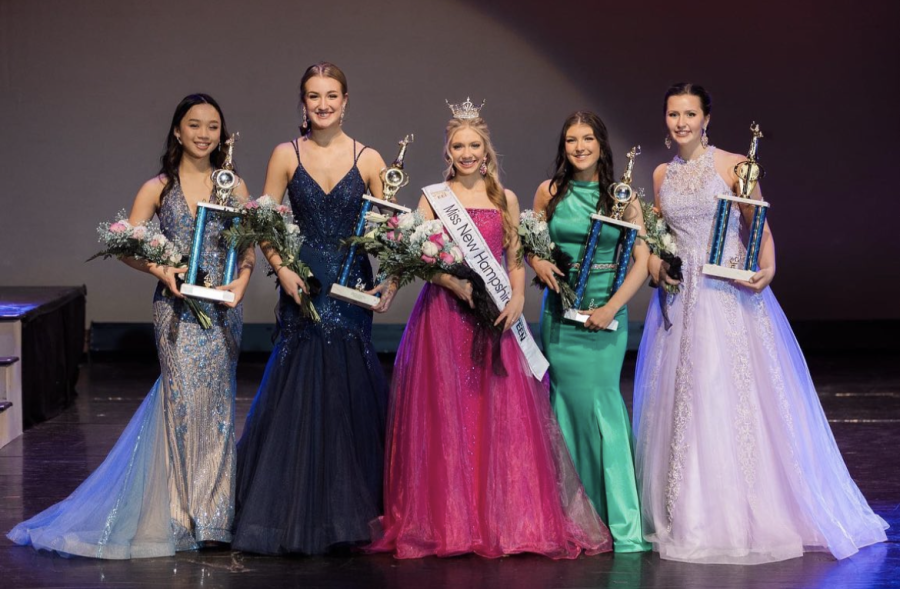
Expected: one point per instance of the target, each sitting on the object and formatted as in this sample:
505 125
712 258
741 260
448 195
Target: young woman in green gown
586 360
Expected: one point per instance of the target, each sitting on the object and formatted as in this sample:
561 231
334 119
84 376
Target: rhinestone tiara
466 110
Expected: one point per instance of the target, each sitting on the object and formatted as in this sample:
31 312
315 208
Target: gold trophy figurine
748 173
394 178
224 179
622 192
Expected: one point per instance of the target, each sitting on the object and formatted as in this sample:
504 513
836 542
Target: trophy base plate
351 295
210 294
730 273
386 204
573 315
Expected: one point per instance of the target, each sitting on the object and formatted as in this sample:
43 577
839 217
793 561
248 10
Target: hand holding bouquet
146 242
534 235
661 243
272 226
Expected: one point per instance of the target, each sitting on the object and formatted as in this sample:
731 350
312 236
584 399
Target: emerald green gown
585 368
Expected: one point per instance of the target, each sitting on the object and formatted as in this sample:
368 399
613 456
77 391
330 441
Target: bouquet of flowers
661 243
408 247
263 221
534 235
145 241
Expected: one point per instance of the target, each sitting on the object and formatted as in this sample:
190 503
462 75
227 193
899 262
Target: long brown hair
495 191
559 185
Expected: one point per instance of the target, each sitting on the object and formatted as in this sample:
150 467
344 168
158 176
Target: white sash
478 256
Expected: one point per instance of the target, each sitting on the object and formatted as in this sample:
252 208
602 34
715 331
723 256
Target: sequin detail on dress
167 484
316 427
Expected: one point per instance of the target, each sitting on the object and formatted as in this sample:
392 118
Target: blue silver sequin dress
311 456
168 483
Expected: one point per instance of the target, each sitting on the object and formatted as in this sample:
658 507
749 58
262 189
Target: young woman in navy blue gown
310 459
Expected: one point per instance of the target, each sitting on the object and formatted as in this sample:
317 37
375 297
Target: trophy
748 172
622 194
393 178
224 182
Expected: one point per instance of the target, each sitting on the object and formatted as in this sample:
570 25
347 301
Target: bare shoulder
542 194
511 197
720 156
152 188
660 172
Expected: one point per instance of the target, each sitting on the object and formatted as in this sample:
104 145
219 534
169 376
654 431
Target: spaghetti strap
296 149
356 155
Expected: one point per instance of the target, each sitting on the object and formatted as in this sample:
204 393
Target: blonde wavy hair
495 191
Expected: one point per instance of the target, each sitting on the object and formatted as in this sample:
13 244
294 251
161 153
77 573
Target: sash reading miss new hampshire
478 256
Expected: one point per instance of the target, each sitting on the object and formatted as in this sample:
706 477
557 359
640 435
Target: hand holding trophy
224 183
393 178
748 172
622 194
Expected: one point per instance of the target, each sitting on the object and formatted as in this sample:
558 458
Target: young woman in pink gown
735 458
475 461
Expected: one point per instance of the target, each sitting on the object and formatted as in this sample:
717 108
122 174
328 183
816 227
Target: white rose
430 249
406 221
541 227
291 228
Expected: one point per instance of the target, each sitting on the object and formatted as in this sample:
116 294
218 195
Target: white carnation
430 249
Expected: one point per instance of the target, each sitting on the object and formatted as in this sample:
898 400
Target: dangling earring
704 139
341 122
304 126
668 142
452 171
483 168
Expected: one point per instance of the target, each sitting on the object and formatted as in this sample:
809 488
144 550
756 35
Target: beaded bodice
688 202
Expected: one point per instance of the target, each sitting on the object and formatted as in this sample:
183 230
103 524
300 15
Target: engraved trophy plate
224 182
393 179
622 194
749 172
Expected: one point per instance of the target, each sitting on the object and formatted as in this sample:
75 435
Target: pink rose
447 258
390 236
437 239
282 209
118 228
154 243
393 222
251 205
429 259
139 232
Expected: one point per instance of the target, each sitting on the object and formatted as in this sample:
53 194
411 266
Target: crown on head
466 110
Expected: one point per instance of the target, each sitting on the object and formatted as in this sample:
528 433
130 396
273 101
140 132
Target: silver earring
178 139
341 122
704 139
668 142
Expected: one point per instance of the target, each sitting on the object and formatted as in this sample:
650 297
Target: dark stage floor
861 395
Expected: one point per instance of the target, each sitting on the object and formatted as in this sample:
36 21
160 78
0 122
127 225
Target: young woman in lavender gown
735 459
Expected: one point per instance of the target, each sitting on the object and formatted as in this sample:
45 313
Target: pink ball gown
475 462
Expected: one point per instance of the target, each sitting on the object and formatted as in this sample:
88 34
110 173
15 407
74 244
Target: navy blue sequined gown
168 482
310 458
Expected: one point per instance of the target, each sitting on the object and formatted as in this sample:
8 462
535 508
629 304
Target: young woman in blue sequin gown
735 458
168 482
310 458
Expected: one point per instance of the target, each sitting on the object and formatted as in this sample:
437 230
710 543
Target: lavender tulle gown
476 462
735 459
